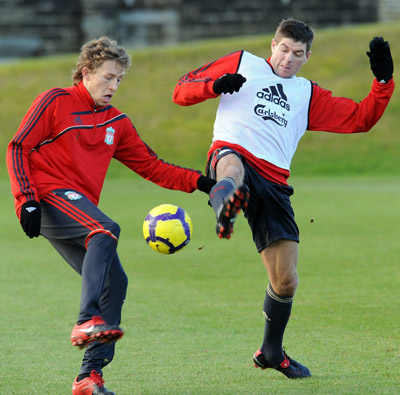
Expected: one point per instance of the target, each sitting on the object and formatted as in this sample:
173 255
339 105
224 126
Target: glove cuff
30 203
385 80
217 86
204 184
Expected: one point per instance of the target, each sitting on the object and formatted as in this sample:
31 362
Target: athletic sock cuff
282 299
231 180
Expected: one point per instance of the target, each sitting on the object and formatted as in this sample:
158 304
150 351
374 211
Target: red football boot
236 202
95 329
93 385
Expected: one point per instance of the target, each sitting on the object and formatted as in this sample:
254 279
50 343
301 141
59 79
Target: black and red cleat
93 385
289 367
236 202
96 329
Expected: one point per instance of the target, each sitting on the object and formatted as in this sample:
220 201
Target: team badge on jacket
72 195
109 139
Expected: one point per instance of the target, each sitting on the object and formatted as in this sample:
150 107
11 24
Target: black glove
204 184
380 59
228 83
31 218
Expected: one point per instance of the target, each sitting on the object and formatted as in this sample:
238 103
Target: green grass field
193 319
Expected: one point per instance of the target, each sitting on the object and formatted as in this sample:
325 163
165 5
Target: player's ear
273 44
308 56
86 73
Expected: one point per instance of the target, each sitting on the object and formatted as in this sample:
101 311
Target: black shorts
269 213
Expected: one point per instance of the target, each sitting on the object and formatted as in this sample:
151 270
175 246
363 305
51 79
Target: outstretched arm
343 115
134 153
210 80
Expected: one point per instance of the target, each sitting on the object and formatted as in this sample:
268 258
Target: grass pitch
194 319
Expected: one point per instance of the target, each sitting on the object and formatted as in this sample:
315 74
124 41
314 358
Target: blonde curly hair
95 52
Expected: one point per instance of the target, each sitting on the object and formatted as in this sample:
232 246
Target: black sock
277 311
83 376
220 191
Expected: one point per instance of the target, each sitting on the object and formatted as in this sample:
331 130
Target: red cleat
95 329
93 385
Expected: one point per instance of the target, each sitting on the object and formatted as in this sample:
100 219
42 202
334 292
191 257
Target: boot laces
98 380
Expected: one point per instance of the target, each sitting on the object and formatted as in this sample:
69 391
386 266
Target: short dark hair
296 30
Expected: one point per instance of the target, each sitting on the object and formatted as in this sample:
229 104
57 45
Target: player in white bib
264 111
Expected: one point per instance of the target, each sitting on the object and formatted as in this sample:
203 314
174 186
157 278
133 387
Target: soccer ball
167 228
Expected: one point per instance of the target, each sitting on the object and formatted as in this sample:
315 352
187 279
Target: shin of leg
280 260
97 356
114 293
96 265
276 313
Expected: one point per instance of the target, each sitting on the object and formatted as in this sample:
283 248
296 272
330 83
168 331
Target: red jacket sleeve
343 115
31 132
140 158
197 85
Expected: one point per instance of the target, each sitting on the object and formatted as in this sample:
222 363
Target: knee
113 228
106 237
286 285
110 228
237 173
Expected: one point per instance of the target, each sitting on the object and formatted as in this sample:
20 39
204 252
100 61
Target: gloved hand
380 59
204 184
228 83
31 218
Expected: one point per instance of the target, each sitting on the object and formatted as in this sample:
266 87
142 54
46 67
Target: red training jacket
64 141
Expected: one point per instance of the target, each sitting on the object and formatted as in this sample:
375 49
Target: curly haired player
57 162
263 112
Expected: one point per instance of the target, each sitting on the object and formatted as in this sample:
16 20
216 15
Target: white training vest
269 114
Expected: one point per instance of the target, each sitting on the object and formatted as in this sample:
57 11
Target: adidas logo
30 209
276 95
78 120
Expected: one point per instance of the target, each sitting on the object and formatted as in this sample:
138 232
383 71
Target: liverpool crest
109 139
72 195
